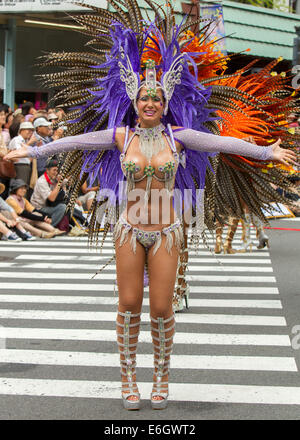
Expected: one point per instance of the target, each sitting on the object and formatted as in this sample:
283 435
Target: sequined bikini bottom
148 238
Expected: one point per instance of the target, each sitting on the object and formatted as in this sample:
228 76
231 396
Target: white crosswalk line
187 392
109 316
60 288
145 337
200 259
48 271
104 300
249 363
95 267
74 243
107 276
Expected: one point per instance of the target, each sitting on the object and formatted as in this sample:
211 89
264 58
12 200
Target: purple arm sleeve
96 140
199 141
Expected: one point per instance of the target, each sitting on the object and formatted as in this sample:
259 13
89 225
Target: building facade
31 28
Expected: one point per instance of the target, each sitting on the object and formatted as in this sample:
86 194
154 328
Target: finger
285 162
295 163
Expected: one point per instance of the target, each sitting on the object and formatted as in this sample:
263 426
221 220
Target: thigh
48 210
162 276
130 275
7 214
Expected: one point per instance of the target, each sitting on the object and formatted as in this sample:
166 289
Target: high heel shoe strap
129 362
162 352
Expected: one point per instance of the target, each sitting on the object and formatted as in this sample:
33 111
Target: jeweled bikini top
151 143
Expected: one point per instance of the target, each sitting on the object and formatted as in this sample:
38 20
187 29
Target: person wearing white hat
52 117
42 136
23 165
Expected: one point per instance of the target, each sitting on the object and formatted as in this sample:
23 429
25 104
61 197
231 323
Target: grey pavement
234 358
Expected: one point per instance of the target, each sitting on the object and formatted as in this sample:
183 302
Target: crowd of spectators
33 201
33 198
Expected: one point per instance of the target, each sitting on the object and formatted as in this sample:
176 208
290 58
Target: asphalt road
236 355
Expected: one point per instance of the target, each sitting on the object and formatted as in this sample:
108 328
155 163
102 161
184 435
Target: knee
130 303
161 309
61 208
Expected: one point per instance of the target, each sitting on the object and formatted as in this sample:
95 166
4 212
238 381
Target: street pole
10 62
296 48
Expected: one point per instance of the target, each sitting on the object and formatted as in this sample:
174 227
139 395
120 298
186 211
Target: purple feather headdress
116 99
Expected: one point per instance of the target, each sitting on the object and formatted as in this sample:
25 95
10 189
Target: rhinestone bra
130 168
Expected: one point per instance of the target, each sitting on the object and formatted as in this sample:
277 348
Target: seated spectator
46 191
12 221
34 221
41 136
87 196
23 165
5 232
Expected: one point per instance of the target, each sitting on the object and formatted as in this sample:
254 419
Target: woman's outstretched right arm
96 140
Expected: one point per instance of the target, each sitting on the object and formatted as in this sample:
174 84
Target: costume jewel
101 86
130 169
150 78
129 77
171 78
151 143
151 140
149 171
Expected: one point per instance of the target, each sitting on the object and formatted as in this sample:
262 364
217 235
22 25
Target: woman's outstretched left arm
200 141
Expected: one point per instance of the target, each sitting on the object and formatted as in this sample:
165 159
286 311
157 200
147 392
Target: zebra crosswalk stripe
234 318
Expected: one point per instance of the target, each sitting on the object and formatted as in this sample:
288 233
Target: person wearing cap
41 136
33 220
23 165
46 192
52 117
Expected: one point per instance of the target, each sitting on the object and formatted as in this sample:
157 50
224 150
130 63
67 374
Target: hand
48 220
32 140
11 223
38 214
287 157
58 134
17 154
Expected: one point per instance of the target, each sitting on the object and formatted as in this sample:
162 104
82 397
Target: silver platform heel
162 353
263 239
129 388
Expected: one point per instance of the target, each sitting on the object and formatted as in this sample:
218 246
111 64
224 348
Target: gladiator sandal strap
162 353
182 266
128 351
